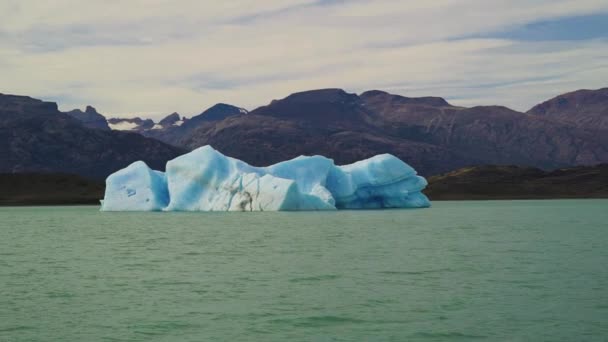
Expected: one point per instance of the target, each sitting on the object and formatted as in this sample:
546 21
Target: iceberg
207 180
136 188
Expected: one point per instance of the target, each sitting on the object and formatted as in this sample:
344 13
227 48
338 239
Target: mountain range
36 137
429 133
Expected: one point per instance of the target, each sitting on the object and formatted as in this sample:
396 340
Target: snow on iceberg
206 180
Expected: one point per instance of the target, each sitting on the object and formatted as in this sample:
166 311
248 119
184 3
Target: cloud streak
154 57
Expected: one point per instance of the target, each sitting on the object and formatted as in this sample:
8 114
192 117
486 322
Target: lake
487 270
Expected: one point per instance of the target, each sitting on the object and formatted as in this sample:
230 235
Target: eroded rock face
36 137
206 180
428 132
90 118
582 108
172 128
170 120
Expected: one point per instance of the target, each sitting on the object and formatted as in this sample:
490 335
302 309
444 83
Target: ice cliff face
206 180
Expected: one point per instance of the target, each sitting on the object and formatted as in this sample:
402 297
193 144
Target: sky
150 58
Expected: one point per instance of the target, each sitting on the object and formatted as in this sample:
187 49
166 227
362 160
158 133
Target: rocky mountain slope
172 128
90 118
429 133
174 133
36 137
582 108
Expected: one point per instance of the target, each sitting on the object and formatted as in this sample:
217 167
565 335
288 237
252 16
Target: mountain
217 112
427 132
173 119
492 134
582 108
90 118
173 133
36 137
329 122
172 128
516 182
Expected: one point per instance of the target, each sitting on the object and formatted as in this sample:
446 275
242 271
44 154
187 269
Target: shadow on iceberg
206 180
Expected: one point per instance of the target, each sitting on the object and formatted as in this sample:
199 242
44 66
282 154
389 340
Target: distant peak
217 112
424 100
170 119
372 93
90 118
21 103
321 95
174 115
322 91
587 91
91 110
221 105
222 108
584 108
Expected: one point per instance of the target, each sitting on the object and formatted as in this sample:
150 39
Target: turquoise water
497 271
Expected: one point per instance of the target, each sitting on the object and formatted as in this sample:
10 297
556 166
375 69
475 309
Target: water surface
461 271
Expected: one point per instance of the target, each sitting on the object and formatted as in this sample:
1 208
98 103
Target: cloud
569 28
154 57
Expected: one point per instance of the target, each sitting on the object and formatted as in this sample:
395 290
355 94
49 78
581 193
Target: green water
497 271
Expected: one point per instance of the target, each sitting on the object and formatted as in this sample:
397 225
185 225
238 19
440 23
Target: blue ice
206 180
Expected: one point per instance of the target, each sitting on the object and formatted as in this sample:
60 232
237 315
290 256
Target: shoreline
477 183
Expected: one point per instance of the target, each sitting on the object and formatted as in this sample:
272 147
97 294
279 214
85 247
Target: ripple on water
316 321
447 336
315 278
421 272
162 328
16 328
